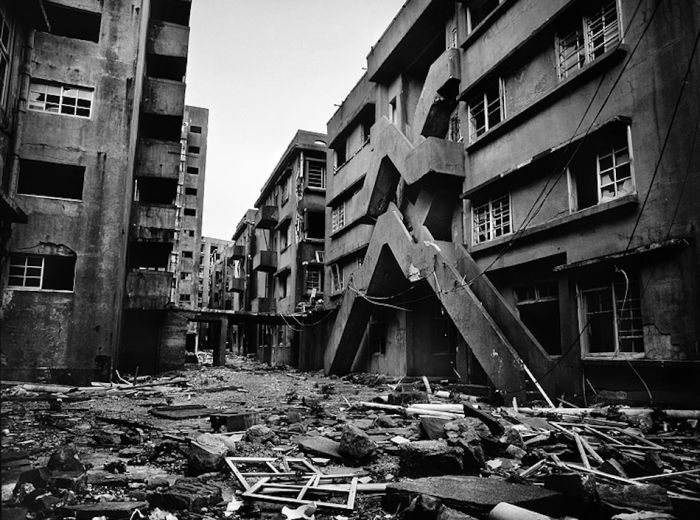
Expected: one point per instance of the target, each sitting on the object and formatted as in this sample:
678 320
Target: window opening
486 109
39 272
45 179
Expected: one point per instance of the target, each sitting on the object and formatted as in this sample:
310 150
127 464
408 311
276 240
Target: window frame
317 272
307 168
337 278
40 277
489 204
585 51
483 99
338 217
36 82
609 286
630 163
6 27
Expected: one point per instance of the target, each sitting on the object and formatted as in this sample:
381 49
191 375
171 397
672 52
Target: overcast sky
265 68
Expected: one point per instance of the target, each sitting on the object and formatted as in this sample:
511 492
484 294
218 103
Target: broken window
73 23
283 282
193 149
337 281
184 297
340 150
285 233
313 279
589 38
376 336
155 190
538 306
162 127
316 173
45 179
190 212
190 191
611 315
452 37
187 254
315 224
45 96
166 67
602 169
491 219
5 53
42 272
185 276
486 108
196 129
478 10
173 11
193 170
286 186
190 232
338 217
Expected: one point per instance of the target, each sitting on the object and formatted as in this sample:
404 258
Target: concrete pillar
220 328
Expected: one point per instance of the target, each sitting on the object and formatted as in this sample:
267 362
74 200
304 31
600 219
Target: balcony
238 252
266 217
237 285
265 261
148 289
168 39
264 305
155 158
435 160
163 97
153 222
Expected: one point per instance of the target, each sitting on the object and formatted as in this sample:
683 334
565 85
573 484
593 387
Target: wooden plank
581 450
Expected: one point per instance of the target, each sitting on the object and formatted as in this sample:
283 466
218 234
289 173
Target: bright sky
265 68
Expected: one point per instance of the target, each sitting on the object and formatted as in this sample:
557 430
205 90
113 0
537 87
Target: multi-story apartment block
190 203
288 260
95 103
570 258
211 251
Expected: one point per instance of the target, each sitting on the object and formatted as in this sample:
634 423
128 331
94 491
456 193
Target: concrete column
220 327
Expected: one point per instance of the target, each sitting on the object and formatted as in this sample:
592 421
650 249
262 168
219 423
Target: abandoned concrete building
98 162
571 256
274 268
211 251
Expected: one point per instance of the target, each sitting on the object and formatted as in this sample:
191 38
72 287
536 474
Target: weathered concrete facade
95 169
571 258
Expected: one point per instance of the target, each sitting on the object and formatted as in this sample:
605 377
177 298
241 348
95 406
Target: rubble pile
247 441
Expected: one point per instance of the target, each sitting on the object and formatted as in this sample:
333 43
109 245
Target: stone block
426 458
355 443
186 493
206 454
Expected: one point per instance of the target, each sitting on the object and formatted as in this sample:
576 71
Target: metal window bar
572 55
313 280
316 172
614 173
602 30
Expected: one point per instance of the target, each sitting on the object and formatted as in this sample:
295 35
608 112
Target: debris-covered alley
250 441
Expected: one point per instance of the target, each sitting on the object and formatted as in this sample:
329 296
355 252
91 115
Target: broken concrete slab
107 509
181 411
355 443
206 454
631 498
186 493
426 458
260 434
65 459
475 495
234 421
320 446
433 427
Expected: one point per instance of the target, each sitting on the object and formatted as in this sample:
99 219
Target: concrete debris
355 443
443 456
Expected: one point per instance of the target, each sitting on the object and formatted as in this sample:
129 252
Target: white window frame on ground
60 99
337 280
595 34
338 217
6 39
316 173
614 173
624 298
27 272
489 220
483 108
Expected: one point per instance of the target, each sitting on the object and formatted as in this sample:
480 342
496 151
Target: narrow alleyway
162 448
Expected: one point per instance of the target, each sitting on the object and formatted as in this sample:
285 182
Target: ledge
348 191
508 175
627 201
606 60
640 361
